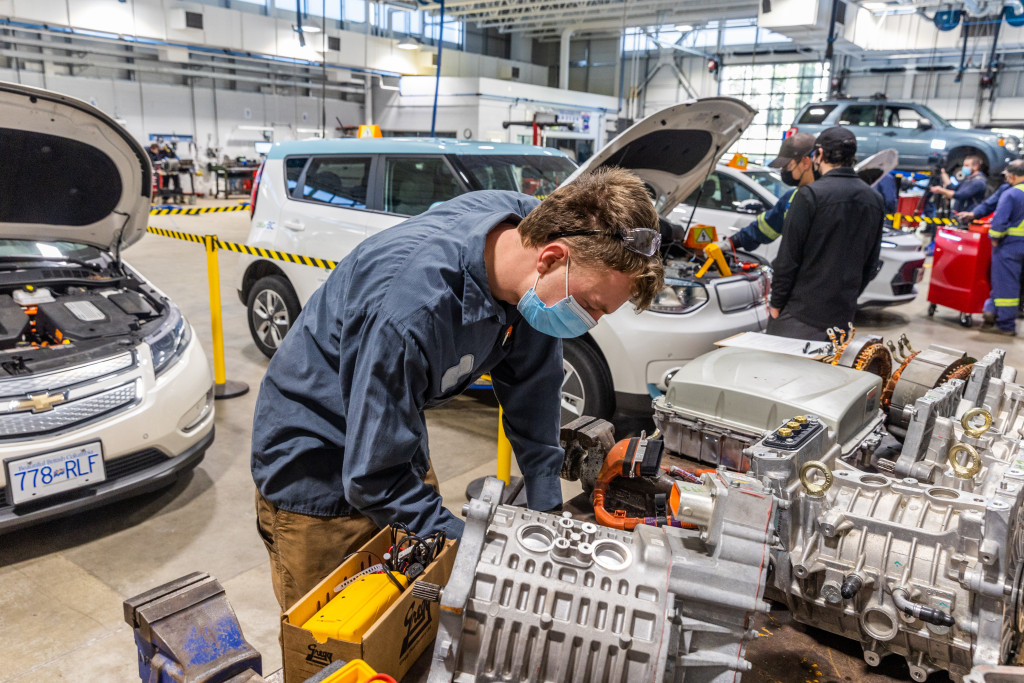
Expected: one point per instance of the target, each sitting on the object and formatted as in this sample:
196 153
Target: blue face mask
965 171
564 319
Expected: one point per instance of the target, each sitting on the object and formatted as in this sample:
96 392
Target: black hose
928 615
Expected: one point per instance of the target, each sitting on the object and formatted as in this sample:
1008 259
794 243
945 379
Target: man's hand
965 216
944 176
941 190
773 312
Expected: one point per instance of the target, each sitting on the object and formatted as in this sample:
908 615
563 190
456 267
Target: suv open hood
675 149
69 172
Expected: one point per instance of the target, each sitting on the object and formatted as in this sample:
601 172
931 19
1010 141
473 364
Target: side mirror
924 124
754 206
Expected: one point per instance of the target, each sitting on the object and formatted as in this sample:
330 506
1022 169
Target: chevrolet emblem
37 403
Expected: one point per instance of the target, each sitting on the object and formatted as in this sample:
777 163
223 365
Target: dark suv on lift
922 137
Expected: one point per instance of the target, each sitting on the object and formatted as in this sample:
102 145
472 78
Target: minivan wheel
272 308
586 383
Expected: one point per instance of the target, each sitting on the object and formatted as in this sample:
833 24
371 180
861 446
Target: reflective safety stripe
1006 303
766 229
1017 231
996 235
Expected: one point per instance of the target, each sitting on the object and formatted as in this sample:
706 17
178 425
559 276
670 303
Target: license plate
46 474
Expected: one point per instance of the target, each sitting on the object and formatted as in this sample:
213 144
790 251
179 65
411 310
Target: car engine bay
48 314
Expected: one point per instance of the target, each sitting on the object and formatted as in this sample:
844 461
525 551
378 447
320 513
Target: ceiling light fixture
409 43
684 28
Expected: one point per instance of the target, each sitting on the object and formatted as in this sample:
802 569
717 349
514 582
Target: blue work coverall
886 187
768 226
1007 234
970 192
989 204
404 323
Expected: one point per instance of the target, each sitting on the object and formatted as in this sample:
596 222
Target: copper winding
891 386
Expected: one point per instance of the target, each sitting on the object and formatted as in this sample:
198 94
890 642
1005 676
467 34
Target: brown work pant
304 549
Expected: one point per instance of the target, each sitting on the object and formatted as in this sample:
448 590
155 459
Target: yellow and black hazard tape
246 249
194 211
904 218
277 255
174 234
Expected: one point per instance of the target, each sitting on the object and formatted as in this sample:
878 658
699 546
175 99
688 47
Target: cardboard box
390 646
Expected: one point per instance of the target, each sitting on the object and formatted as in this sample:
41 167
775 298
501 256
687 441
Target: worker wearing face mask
971 189
830 245
487 282
794 164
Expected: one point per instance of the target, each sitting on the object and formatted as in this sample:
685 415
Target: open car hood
675 149
69 172
877 165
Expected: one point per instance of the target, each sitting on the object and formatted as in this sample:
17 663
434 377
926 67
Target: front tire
586 383
272 308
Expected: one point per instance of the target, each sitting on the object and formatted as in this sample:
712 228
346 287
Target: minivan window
340 181
858 115
413 184
293 171
816 113
532 174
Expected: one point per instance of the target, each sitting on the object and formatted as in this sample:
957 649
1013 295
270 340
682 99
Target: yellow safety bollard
896 222
504 451
222 388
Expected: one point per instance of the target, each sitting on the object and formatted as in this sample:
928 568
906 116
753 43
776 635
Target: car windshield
31 250
769 180
935 117
532 174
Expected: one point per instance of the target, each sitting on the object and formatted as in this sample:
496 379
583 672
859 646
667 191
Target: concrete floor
64 582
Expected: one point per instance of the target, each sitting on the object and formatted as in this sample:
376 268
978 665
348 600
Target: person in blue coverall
487 282
986 207
971 190
886 186
795 165
1007 235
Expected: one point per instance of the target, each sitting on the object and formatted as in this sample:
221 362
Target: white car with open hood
104 389
322 197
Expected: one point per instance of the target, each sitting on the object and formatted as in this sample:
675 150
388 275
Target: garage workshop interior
518 341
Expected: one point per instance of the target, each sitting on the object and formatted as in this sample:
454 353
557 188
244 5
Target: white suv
320 198
104 390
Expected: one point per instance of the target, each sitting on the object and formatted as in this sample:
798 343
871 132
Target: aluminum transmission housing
541 597
931 572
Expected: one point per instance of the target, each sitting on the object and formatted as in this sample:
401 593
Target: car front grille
116 469
68 414
24 385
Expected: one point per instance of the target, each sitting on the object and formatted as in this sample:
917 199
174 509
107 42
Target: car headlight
680 296
169 340
888 245
1011 143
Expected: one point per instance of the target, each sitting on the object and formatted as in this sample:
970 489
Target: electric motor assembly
911 546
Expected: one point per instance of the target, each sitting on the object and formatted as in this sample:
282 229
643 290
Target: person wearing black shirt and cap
830 245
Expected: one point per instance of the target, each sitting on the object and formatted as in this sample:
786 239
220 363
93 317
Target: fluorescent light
310 28
409 43
255 128
684 28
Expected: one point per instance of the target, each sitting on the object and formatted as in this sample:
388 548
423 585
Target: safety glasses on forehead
643 241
